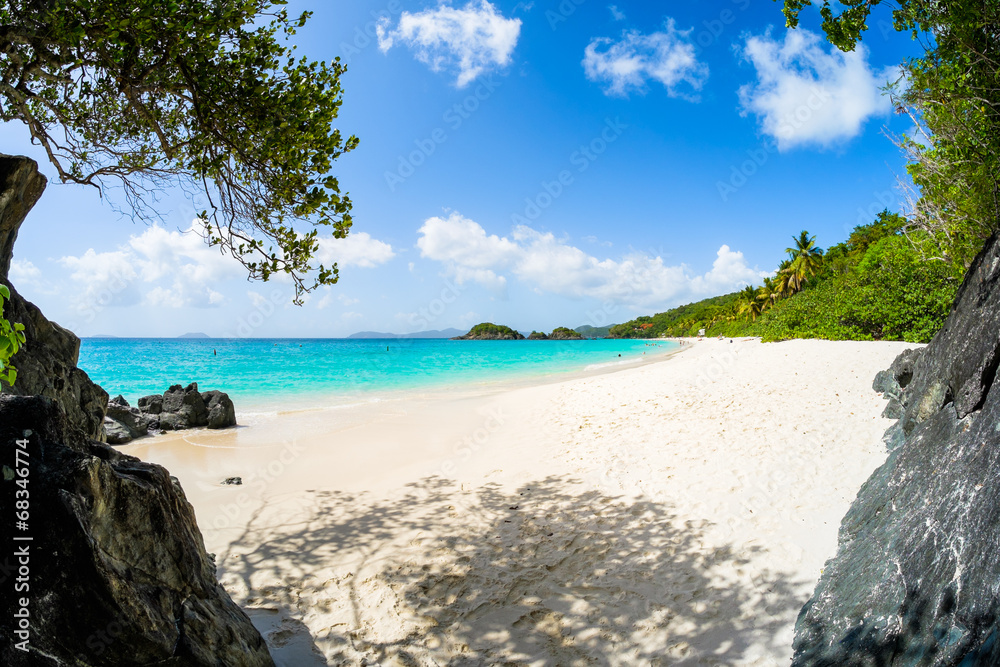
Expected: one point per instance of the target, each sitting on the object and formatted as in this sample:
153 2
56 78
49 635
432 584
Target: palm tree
767 293
749 303
783 280
806 259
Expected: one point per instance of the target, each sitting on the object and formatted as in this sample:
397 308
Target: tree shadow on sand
553 572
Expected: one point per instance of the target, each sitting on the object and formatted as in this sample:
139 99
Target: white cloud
187 262
806 94
180 265
616 13
358 249
470 40
28 278
729 270
667 57
102 279
551 265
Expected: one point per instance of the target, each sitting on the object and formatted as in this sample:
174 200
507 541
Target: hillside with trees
879 284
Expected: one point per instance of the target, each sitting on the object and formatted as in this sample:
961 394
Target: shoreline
679 510
319 396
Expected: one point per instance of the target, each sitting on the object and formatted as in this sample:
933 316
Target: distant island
196 334
490 331
588 331
559 333
435 333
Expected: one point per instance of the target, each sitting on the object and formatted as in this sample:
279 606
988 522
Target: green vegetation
874 286
564 333
490 331
588 331
205 95
11 340
537 335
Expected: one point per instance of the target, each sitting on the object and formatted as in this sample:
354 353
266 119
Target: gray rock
151 405
185 407
116 432
119 571
233 481
131 419
46 365
221 411
915 578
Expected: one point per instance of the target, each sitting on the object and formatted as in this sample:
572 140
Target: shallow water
285 373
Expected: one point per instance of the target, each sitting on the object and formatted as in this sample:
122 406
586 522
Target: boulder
221 411
119 574
916 578
46 364
124 423
182 408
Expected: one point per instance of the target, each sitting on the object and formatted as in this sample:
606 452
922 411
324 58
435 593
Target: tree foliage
11 340
206 94
951 93
874 286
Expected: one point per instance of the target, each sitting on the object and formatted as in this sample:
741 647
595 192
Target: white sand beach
677 513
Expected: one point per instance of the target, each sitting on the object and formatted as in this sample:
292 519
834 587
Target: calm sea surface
285 373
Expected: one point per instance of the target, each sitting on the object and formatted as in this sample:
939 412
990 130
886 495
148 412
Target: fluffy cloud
23 271
551 265
358 249
470 40
807 94
102 279
180 269
628 64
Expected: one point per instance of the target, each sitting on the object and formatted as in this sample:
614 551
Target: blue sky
537 164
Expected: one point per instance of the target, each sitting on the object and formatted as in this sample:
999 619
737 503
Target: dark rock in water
46 364
233 480
221 411
185 407
118 569
916 579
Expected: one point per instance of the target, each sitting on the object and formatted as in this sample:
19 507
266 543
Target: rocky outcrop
185 407
490 331
118 569
46 364
564 333
916 579
537 335
123 423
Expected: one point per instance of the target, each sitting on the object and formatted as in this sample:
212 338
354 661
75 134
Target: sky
534 164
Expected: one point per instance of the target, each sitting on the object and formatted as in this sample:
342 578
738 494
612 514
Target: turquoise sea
286 373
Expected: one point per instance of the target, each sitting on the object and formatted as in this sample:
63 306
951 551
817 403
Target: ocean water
310 373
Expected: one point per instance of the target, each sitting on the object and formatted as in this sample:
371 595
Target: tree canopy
206 94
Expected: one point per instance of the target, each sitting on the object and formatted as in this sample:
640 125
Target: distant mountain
446 333
196 334
588 331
